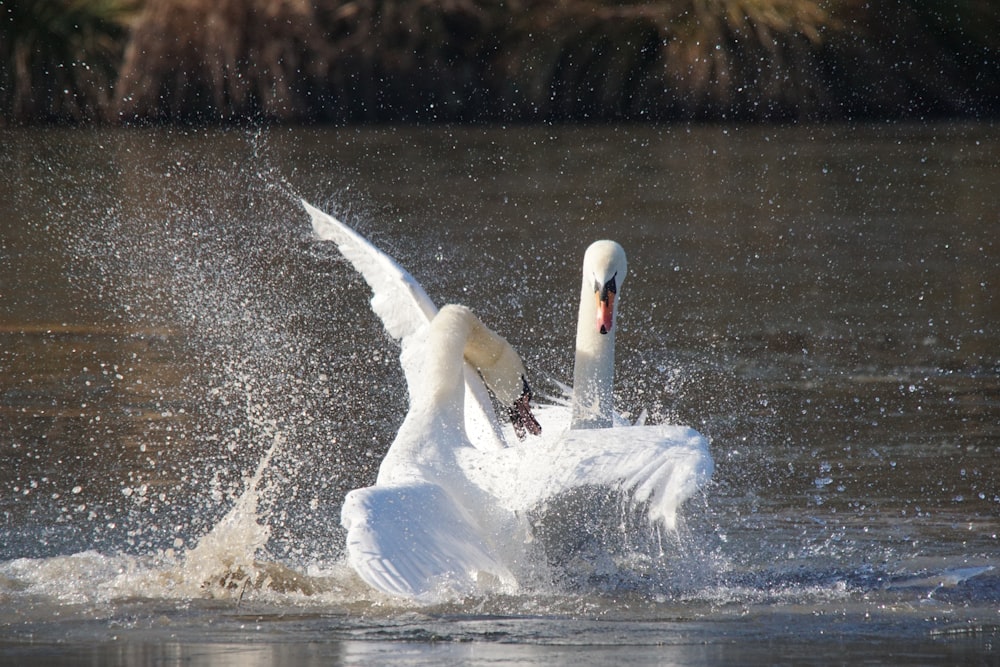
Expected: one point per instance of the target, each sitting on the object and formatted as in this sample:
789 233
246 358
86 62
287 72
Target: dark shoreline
471 61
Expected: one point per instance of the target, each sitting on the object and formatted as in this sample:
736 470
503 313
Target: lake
189 385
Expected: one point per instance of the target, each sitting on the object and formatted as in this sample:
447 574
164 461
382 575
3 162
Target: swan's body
425 527
434 363
450 511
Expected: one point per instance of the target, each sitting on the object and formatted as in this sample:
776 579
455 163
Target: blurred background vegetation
128 61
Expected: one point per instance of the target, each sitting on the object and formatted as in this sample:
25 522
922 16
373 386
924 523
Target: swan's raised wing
658 467
415 541
404 307
397 298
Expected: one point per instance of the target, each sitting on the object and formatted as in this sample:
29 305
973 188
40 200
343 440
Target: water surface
819 301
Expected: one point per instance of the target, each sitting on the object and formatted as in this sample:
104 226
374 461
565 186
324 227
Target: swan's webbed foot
520 414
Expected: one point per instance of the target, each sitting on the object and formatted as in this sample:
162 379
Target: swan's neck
434 424
594 369
435 375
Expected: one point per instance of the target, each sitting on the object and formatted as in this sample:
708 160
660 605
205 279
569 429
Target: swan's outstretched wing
404 307
658 467
415 541
397 298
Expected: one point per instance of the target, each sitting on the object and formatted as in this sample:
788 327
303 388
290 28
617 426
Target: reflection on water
820 301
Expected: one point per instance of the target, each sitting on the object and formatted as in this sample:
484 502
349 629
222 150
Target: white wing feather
415 541
658 467
397 298
403 306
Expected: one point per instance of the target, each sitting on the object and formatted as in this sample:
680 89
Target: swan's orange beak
605 310
605 295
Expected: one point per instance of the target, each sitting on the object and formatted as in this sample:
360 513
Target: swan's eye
611 285
609 288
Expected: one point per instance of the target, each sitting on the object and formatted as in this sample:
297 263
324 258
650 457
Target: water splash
227 557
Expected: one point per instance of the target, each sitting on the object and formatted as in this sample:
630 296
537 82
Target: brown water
820 301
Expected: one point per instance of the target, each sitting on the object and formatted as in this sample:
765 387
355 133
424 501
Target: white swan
427 526
448 514
604 269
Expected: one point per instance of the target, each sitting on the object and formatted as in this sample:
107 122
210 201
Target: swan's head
604 269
